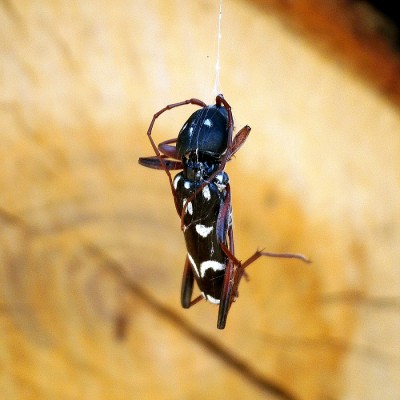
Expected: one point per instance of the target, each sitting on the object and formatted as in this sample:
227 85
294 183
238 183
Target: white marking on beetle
212 299
191 131
193 264
219 179
176 180
206 192
189 207
220 187
187 185
208 123
214 265
203 230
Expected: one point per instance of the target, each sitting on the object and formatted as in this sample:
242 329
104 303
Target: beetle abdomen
206 257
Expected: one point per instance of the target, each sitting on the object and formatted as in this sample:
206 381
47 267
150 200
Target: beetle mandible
202 197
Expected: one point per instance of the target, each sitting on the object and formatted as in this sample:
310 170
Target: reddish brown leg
168 150
234 273
235 269
169 155
154 163
239 140
230 278
156 150
222 227
226 298
259 254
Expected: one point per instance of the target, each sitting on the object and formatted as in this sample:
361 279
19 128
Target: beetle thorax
199 165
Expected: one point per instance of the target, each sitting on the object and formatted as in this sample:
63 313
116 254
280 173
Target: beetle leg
154 163
224 217
231 282
233 274
168 154
235 269
220 99
259 254
226 298
224 229
168 150
156 150
239 140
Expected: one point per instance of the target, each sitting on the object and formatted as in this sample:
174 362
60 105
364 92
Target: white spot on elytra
220 187
176 180
187 185
219 182
208 123
206 193
214 265
189 208
212 299
193 264
203 230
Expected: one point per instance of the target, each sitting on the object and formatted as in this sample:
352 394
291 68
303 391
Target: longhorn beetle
202 199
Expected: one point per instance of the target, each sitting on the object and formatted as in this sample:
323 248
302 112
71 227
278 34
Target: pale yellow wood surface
91 254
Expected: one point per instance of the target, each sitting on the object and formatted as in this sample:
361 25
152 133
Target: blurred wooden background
90 247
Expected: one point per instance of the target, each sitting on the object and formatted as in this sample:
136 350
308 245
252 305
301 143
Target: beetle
202 198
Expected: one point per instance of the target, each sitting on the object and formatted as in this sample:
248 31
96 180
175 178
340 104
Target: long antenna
217 84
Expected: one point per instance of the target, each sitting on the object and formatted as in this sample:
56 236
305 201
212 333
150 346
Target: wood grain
91 254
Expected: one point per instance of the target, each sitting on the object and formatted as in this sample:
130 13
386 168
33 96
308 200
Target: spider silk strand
217 83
